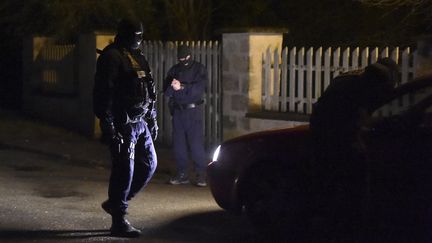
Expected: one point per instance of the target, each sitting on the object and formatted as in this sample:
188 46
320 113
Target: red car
235 159
267 175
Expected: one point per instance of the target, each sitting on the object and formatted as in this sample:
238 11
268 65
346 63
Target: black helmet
129 33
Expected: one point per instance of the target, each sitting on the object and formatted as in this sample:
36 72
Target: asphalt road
44 198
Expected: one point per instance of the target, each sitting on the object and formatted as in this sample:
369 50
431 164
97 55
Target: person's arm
106 73
167 88
405 121
197 87
416 84
151 115
412 86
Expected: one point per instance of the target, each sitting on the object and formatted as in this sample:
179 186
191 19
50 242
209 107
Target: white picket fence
161 57
294 78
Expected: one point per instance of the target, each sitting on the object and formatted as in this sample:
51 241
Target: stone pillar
423 66
86 70
31 49
424 56
88 44
242 76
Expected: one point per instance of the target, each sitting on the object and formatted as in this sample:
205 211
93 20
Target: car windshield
419 99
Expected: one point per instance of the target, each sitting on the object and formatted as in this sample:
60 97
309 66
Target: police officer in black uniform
124 97
185 85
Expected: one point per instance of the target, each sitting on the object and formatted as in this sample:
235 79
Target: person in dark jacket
337 123
123 98
185 85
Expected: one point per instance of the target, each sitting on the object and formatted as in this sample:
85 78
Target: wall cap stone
255 30
284 116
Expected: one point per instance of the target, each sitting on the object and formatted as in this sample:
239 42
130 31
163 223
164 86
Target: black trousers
133 164
188 133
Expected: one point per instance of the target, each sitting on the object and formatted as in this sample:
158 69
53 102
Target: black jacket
349 101
124 88
193 78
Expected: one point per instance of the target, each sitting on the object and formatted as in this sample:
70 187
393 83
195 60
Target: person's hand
109 133
176 85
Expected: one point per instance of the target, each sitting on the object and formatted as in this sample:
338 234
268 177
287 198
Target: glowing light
216 153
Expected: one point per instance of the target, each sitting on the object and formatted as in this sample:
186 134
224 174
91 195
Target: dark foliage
309 23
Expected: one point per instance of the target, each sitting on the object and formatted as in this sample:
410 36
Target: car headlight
216 153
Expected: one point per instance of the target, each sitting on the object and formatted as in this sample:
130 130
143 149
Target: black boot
122 228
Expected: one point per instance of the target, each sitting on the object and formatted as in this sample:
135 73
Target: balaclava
182 52
129 33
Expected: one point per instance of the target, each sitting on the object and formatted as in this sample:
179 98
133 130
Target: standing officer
124 96
185 85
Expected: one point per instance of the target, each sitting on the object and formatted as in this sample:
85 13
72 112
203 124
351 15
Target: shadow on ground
51 234
216 226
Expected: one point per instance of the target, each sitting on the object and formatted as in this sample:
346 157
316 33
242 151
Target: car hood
282 145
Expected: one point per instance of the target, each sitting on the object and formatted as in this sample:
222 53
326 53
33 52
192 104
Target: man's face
185 60
130 34
137 39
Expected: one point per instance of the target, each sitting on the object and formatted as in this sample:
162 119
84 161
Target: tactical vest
133 91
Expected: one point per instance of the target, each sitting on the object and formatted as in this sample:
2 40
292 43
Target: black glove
153 128
109 133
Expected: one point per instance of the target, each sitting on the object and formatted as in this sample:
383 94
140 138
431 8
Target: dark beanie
183 51
385 70
127 27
